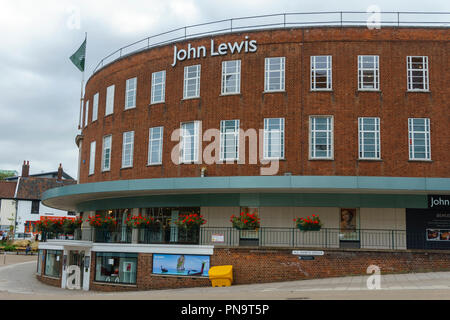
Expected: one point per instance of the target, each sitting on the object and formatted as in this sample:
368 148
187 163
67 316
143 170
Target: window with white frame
86 114
274 74
321 73
92 158
158 87
229 140
231 77
191 82
106 155
109 100
155 146
368 73
127 149
95 108
369 138
189 141
321 137
274 138
130 93
417 69
419 139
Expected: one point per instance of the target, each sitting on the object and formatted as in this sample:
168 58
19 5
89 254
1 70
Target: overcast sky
40 87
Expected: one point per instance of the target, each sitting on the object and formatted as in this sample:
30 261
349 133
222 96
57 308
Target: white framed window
274 138
86 114
231 77
109 100
417 69
189 141
368 73
130 93
321 73
95 108
155 146
321 137
191 82
106 154
274 74
158 87
229 140
419 139
92 158
369 138
127 149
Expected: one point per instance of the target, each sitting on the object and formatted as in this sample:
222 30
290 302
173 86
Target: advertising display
428 228
181 265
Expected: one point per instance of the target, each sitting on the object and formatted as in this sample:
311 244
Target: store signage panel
308 253
215 49
439 201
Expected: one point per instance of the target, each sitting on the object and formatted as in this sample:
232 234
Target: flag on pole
79 57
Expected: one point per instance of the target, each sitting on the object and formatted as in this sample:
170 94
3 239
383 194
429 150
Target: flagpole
82 96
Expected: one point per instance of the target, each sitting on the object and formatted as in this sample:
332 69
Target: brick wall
265 265
392 103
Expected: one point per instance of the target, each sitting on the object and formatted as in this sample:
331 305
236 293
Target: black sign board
306 258
439 201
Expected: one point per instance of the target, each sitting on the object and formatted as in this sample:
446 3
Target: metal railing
281 21
263 237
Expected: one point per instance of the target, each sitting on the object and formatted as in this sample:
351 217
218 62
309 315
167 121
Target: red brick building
346 123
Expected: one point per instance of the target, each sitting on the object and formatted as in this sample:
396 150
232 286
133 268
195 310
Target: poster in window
349 224
181 265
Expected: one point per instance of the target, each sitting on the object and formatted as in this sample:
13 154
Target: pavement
18 282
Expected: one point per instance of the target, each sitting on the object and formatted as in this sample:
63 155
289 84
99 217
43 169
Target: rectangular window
130 93
116 267
369 138
155 146
321 73
158 87
127 149
229 140
368 73
419 139
417 68
86 114
95 108
274 138
35 206
274 74
321 137
231 77
106 157
189 142
109 100
53 263
92 158
191 82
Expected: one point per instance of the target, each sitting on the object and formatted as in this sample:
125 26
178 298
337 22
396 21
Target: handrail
339 19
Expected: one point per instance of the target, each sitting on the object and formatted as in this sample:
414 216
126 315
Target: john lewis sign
221 49
439 202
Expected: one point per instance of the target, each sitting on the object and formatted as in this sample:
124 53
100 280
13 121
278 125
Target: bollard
4 257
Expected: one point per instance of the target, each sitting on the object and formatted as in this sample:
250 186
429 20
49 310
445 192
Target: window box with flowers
248 225
189 227
72 227
150 230
308 224
103 227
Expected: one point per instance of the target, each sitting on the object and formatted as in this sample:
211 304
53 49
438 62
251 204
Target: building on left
20 200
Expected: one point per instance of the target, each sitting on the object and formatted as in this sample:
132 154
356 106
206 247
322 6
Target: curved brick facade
393 104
